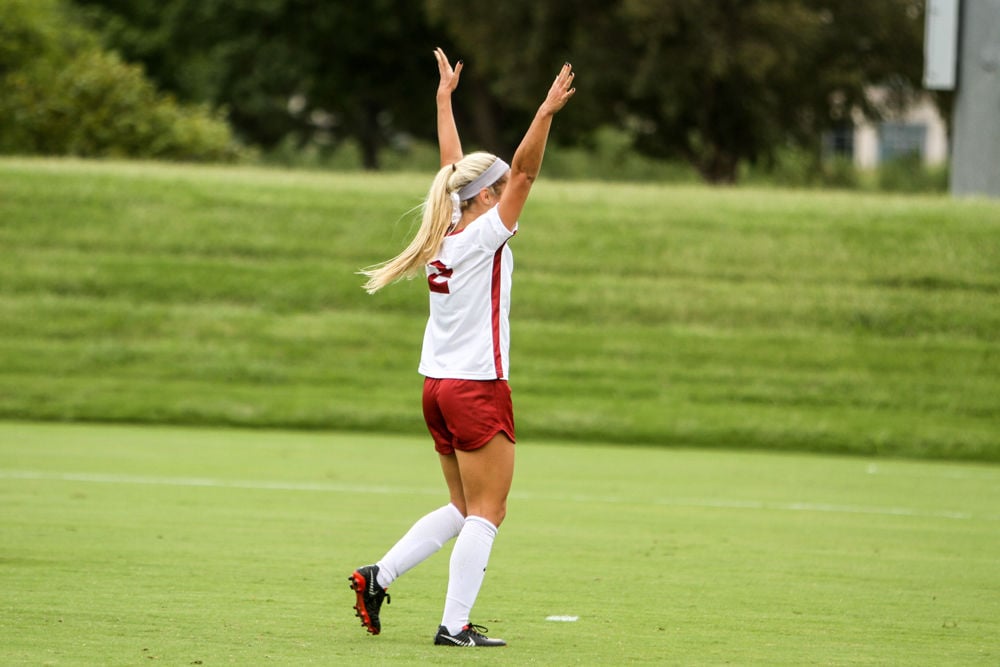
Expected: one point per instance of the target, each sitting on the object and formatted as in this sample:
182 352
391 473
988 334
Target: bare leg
486 476
453 477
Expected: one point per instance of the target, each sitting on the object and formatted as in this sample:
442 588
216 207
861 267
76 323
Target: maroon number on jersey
438 281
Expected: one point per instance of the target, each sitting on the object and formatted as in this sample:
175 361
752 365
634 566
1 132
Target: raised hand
449 76
560 92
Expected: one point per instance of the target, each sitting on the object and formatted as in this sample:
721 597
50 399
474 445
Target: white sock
424 539
466 571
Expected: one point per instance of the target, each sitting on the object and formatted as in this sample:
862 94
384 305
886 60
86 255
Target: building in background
918 129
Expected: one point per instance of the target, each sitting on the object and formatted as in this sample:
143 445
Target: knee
496 514
459 504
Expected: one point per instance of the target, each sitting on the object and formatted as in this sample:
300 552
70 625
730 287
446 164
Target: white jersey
468 331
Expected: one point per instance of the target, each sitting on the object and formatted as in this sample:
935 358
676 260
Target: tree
513 52
61 94
714 82
732 80
286 70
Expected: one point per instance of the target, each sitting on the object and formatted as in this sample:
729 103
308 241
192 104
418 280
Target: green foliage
606 158
789 166
796 168
840 172
61 95
908 174
132 546
609 156
716 84
713 84
352 76
33 30
684 315
793 167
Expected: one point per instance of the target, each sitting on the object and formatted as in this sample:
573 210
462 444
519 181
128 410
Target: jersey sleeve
488 231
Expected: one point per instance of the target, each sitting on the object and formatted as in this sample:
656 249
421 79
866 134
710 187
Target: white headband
492 174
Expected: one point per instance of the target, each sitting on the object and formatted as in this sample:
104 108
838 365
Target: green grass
124 545
664 315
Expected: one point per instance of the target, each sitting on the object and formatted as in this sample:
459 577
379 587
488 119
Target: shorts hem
464 414
479 444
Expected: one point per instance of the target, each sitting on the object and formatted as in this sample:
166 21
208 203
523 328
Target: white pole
941 45
975 164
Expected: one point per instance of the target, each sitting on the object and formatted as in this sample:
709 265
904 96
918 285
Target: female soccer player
470 213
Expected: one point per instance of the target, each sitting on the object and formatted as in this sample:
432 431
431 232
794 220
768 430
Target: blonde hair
437 210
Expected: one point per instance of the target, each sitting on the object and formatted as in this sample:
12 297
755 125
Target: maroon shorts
466 414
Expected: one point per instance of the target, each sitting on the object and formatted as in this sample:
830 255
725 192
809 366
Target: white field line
941 472
721 503
259 485
328 487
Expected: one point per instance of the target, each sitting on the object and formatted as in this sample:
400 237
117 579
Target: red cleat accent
369 597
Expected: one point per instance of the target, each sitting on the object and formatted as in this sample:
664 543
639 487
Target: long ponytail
437 214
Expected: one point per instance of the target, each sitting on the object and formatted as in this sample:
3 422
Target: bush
62 95
796 168
609 156
909 174
840 172
790 166
33 31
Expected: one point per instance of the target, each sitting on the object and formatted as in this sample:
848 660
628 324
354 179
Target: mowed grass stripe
680 315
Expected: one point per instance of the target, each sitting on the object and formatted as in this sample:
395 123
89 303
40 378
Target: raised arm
527 160
448 141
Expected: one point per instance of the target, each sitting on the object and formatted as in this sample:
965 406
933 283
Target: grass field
125 545
673 315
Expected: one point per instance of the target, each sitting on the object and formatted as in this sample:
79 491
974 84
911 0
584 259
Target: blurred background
791 92
812 307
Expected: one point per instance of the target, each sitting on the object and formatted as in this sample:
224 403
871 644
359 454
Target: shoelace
476 629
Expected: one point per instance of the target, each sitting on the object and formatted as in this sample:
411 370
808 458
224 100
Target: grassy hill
668 315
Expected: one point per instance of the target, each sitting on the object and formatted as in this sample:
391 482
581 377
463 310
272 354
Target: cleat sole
358 584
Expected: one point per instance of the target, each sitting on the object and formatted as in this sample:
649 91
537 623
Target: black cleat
370 596
471 635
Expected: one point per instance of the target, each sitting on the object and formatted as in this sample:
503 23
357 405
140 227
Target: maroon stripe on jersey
495 303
